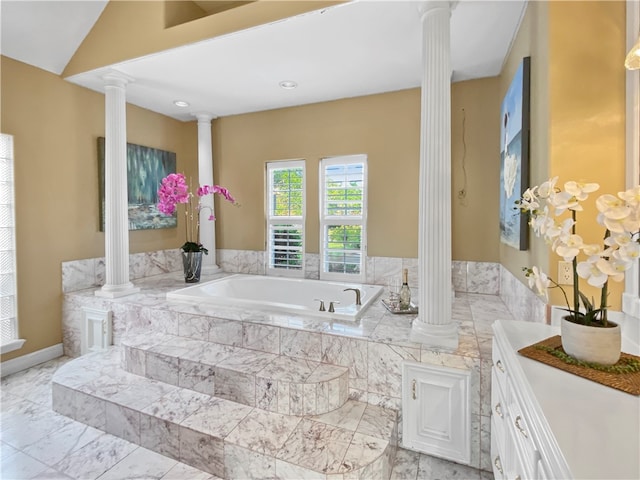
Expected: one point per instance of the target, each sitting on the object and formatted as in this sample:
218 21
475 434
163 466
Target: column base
115 291
211 269
437 336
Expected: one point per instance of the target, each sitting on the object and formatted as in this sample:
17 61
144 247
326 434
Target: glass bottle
405 291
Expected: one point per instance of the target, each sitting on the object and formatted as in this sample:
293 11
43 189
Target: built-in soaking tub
279 294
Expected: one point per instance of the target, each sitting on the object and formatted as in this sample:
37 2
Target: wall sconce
632 62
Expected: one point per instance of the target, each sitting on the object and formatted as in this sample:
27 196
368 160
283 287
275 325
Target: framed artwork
514 158
146 167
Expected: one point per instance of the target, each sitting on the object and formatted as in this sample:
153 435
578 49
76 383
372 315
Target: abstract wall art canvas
146 167
514 157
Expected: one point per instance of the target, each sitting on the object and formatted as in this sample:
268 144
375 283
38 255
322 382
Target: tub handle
331 309
321 309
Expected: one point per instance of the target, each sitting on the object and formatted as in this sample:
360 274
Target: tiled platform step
275 383
225 438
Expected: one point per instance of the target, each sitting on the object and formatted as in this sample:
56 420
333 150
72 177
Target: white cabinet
436 411
550 424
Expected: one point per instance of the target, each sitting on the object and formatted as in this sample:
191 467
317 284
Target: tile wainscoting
467 277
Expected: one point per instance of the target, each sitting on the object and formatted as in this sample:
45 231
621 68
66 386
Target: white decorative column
116 223
205 177
434 325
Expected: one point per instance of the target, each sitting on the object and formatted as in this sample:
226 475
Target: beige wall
475 134
531 41
55 126
578 111
386 128
587 109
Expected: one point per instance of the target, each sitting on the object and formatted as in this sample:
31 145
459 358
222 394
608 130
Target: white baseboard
30 359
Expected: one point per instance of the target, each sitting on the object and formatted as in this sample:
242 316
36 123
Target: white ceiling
359 48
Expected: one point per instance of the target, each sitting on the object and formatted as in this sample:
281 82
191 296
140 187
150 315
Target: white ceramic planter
591 344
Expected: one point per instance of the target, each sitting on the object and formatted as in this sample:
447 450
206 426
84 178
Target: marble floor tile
182 471
433 468
20 465
6 450
316 446
348 416
406 465
377 421
57 445
141 463
278 426
218 417
21 430
363 450
245 464
176 405
95 458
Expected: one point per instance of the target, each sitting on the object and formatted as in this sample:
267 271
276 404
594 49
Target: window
285 218
8 299
343 215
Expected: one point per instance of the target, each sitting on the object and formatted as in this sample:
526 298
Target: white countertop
597 428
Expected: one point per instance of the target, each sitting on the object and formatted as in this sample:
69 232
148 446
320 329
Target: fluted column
434 326
116 225
205 177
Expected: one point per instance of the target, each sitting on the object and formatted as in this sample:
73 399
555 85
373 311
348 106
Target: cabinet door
436 411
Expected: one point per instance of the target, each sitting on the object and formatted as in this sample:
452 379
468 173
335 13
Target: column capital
204 116
429 6
114 78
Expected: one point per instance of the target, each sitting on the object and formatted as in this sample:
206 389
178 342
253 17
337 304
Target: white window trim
344 160
276 165
13 343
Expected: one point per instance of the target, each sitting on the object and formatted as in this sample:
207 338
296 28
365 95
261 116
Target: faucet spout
358 294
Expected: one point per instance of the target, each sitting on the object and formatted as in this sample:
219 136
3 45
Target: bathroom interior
230 390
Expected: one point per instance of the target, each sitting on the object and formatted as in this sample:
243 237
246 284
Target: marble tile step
226 438
275 383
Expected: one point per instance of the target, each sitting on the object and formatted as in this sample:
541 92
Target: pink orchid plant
173 191
546 206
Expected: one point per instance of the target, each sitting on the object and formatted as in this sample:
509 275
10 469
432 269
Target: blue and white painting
514 158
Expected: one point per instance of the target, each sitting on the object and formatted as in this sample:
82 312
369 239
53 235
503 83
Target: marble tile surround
469 277
373 350
225 438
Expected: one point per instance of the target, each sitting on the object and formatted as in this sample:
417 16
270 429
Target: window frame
270 167
6 152
326 220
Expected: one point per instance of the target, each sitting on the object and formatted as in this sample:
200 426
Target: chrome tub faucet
358 294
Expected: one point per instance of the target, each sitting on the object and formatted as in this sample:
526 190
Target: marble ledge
149 308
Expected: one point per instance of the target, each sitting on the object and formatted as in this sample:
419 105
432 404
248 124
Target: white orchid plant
547 206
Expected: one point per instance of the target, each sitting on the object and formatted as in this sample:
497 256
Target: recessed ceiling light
180 103
288 84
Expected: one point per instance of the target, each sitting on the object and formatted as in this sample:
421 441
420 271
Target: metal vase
192 263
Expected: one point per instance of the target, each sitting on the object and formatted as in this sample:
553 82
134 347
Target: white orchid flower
611 207
614 226
628 253
592 249
618 239
614 268
529 201
563 201
591 273
541 222
580 190
631 196
539 281
569 247
548 188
